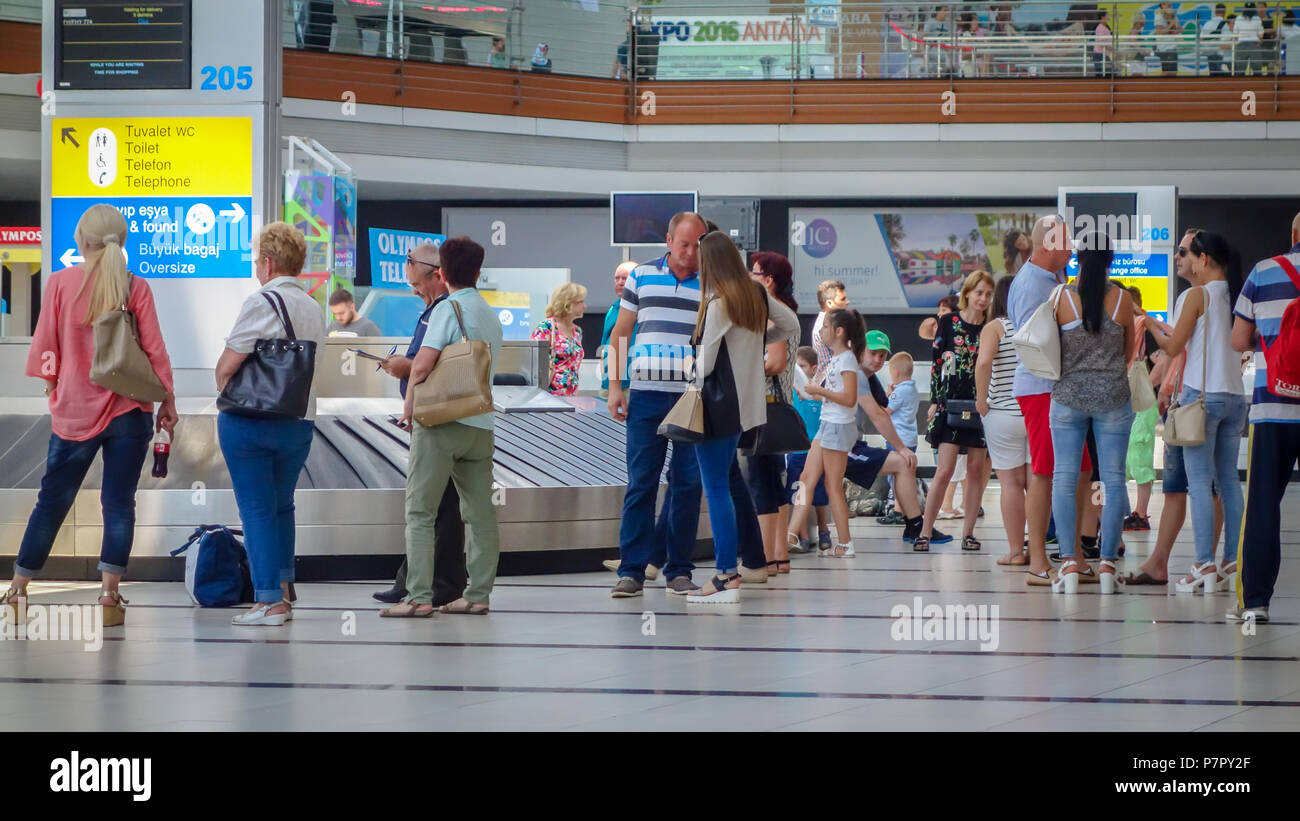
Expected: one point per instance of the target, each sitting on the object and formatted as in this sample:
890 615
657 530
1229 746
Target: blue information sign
388 250
168 237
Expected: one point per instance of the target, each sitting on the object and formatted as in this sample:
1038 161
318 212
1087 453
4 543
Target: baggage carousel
559 476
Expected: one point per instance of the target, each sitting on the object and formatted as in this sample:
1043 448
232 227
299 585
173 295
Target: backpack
1282 358
216 568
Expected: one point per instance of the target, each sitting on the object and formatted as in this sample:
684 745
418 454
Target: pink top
63 348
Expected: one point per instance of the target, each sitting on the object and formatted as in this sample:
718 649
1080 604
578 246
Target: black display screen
1111 213
122 45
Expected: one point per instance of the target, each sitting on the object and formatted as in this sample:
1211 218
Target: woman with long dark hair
1096 321
1203 327
733 314
764 474
1016 248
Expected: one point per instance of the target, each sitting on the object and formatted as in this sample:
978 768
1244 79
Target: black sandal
970 543
921 545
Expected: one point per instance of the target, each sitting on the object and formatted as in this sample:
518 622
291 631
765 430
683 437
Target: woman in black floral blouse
956 347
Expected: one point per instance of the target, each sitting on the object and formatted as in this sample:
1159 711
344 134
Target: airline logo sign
184 184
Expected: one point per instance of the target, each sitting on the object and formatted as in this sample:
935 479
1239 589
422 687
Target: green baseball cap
878 341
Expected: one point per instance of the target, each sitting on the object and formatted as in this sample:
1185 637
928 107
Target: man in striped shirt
661 300
1274 436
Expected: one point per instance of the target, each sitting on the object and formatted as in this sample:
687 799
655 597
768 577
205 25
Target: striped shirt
1264 297
666 311
1005 362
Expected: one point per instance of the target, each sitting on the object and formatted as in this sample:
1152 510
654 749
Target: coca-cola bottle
162 445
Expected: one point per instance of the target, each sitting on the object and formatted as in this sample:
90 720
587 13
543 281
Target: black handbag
962 414
783 432
274 381
718 393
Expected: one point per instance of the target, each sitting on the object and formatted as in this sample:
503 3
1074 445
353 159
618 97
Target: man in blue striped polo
1274 434
660 300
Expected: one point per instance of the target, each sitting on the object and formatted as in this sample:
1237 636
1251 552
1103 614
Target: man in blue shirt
660 300
621 273
1033 286
449 539
1274 430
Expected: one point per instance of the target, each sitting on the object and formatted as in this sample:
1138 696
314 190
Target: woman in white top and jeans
733 311
265 456
1204 329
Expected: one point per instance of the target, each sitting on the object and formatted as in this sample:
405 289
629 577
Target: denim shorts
1175 476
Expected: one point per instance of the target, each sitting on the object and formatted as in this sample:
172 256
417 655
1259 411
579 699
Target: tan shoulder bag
460 384
120 363
1185 424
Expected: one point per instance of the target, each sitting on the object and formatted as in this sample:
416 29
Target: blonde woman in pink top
87 418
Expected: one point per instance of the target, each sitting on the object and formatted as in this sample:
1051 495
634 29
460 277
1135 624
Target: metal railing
817 39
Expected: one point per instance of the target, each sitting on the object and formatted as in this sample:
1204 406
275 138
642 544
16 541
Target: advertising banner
902 261
388 250
738 47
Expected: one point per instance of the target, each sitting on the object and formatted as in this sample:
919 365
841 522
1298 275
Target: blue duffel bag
216 567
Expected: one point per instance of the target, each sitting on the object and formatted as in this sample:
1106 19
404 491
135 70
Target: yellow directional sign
152 156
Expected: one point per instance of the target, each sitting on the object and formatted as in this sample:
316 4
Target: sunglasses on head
411 259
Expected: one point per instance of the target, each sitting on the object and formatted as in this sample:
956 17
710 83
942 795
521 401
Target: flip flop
1023 560
467 609
394 613
1143 578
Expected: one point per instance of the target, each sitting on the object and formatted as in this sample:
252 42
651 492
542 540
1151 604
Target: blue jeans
264 457
717 458
1069 433
646 452
1216 459
126 444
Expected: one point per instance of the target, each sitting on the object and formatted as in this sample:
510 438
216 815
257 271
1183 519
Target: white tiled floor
811 651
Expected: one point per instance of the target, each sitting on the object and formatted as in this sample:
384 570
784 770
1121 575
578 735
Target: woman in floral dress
956 347
560 329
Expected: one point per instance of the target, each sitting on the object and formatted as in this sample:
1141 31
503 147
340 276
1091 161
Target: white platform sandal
1207 581
263 617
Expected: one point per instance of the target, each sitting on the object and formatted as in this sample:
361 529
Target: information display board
122 45
184 184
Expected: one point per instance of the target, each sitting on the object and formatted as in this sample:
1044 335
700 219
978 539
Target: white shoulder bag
1185 424
1038 341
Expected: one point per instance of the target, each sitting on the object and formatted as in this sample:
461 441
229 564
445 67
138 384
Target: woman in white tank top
1203 326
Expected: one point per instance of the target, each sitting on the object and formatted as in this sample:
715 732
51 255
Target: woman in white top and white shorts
1004 424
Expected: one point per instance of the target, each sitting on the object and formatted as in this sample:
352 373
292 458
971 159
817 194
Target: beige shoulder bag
460 384
1185 424
120 363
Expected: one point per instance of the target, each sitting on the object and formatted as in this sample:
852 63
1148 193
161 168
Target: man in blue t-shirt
621 273
1274 432
449 539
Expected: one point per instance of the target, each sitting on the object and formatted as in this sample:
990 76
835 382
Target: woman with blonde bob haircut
734 315
265 455
86 417
560 329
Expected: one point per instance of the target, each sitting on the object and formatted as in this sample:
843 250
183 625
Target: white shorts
1007 439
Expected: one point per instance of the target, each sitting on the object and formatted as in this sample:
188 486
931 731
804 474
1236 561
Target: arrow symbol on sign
67 136
236 214
71 257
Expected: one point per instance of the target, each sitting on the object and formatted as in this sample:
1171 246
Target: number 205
226 77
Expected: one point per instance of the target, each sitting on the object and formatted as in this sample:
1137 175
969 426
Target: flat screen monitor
1112 213
122 45
641 217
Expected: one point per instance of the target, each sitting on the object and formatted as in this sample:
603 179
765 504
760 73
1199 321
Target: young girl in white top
845 334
